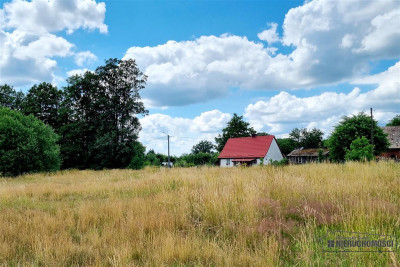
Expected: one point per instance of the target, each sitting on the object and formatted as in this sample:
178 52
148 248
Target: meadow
209 216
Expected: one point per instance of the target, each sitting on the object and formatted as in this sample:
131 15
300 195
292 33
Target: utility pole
169 162
372 130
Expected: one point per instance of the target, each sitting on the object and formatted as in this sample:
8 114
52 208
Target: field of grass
261 216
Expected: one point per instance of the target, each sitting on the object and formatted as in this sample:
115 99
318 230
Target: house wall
273 153
224 161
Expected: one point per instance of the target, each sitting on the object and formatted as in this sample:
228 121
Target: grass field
261 216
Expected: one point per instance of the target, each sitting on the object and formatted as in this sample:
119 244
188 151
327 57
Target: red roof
246 147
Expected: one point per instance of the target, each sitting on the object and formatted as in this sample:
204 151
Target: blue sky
280 64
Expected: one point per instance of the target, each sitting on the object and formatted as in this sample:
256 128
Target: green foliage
152 159
99 116
43 101
360 150
138 159
204 147
351 128
236 127
198 159
9 98
321 156
395 121
278 163
307 138
26 144
287 145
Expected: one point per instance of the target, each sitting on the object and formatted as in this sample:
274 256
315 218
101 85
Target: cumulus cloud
332 42
185 132
85 57
284 111
270 35
29 44
42 16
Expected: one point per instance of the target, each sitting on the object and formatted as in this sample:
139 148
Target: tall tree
236 127
119 100
203 146
351 128
395 121
307 138
43 101
10 98
104 106
287 145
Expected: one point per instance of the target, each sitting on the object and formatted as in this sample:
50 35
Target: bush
26 144
281 162
360 150
139 158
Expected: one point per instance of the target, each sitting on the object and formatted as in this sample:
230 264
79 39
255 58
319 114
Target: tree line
94 117
92 123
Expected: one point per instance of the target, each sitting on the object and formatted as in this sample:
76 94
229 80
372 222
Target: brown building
393 133
301 156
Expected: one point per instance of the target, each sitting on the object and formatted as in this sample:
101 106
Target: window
228 162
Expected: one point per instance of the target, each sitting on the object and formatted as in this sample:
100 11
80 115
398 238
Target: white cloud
284 111
332 41
42 16
28 41
185 132
85 57
270 35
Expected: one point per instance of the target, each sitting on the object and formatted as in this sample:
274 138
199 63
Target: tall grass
261 216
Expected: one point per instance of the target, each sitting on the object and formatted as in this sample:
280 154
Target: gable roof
393 133
310 152
246 147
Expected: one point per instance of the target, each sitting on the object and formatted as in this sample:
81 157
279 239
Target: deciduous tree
351 128
236 127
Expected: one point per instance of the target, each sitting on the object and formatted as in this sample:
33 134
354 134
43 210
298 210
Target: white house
250 151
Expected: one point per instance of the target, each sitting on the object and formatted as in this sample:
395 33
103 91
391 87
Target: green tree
351 128
395 121
43 101
138 159
287 145
26 144
236 127
360 150
203 146
118 100
79 117
100 116
9 98
307 138
152 159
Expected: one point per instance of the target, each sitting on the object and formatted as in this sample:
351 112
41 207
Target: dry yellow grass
262 216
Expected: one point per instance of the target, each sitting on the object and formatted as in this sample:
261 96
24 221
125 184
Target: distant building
301 156
250 151
165 164
393 133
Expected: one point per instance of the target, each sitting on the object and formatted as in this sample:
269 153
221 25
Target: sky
279 64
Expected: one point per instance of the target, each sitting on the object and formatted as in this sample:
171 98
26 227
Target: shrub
26 144
360 150
281 162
